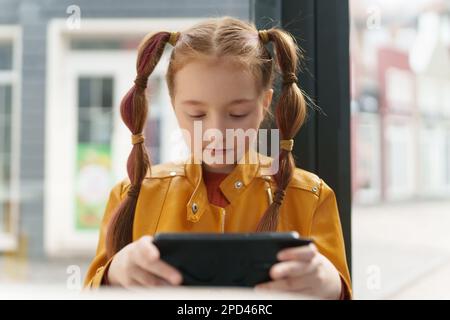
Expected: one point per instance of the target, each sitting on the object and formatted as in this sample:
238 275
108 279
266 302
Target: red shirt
212 181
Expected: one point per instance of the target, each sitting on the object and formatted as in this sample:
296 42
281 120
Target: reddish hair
219 37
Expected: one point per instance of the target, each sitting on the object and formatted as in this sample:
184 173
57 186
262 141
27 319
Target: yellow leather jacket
173 198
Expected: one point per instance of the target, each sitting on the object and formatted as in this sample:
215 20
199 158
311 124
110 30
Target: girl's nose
218 125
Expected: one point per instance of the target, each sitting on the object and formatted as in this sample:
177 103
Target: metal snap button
194 207
314 189
173 173
238 184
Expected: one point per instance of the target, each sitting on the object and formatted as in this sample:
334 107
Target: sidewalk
402 251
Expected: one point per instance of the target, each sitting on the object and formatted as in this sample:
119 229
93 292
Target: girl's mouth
219 151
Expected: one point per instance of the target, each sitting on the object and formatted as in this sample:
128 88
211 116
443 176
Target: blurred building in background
64 68
400 138
400 102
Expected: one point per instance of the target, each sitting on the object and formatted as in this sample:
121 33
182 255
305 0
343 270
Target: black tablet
224 259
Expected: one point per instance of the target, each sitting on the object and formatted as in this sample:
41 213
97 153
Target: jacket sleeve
326 232
100 264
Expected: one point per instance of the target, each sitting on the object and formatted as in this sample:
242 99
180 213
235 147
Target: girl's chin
219 157
218 167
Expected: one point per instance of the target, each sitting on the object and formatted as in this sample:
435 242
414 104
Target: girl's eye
196 116
238 115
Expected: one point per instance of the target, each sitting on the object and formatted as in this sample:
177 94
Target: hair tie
287 144
264 35
133 192
279 196
140 82
137 138
289 78
173 38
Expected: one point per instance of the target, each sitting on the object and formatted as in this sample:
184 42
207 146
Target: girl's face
217 94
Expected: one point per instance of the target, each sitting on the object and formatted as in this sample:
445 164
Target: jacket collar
232 186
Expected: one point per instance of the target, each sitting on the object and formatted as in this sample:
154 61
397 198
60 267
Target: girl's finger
148 249
149 259
164 271
303 253
287 284
145 278
132 283
293 268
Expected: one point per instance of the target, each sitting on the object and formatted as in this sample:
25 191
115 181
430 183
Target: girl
221 74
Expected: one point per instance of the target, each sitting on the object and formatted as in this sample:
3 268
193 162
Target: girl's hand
304 270
138 264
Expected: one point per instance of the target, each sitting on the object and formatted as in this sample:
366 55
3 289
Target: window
93 150
95 101
5 153
9 129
